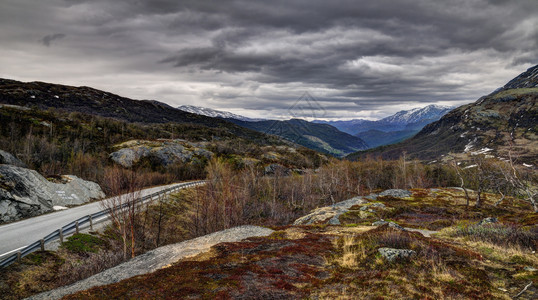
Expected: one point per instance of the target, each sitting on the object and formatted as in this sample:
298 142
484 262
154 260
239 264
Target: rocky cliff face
25 193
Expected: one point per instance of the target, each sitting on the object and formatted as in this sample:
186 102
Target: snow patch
468 147
481 151
526 165
471 166
58 207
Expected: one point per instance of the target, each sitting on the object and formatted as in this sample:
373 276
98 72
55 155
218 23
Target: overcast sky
358 59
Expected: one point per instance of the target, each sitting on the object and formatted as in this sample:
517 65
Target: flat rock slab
330 213
396 193
157 259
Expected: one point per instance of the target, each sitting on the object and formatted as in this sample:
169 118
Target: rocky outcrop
157 259
391 224
164 152
25 193
278 169
392 254
488 220
9 159
329 214
396 193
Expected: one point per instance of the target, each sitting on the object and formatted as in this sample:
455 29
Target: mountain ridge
503 123
321 137
214 113
395 122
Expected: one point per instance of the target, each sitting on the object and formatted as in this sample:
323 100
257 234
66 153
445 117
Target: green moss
82 243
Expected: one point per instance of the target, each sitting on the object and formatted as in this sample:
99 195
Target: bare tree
522 183
458 170
123 207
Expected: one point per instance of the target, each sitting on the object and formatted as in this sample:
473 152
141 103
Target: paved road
19 234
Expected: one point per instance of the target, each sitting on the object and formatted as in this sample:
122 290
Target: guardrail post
76 226
61 235
91 222
18 255
42 242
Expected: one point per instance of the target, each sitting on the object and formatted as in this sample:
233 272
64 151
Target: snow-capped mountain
215 113
431 112
413 119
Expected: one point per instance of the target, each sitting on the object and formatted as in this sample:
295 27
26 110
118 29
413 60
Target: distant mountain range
321 137
215 113
501 122
350 135
392 129
402 120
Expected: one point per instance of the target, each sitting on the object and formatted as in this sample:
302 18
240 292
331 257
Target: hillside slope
95 102
204 111
320 137
504 120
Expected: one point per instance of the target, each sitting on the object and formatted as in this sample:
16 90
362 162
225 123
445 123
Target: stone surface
392 254
329 214
397 193
391 224
157 259
25 193
489 220
165 152
276 169
9 159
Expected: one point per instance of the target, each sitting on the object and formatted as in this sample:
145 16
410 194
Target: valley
433 202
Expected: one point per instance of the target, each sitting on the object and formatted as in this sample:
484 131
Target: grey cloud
48 39
243 54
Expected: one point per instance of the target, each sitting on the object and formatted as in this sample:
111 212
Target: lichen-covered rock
164 152
391 224
329 214
9 159
489 220
397 193
392 254
127 157
276 169
25 193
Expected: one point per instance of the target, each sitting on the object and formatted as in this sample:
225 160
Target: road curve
21 233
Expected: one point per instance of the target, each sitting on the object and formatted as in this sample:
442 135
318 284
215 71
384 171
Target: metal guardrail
89 220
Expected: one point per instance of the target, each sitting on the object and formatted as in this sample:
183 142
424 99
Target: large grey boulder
127 157
392 254
25 193
9 159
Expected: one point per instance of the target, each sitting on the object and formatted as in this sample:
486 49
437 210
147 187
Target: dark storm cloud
358 58
48 39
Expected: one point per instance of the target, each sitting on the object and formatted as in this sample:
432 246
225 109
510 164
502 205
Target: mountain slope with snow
405 120
416 115
209 112
503 123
